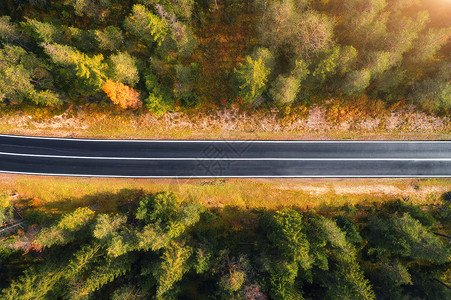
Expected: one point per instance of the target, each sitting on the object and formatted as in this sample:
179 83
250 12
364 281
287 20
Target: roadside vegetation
158 247
58 195
255 68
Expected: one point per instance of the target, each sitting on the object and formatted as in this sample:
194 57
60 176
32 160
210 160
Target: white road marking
224 158
216 141
239 176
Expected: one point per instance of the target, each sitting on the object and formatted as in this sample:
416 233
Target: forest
167 55
158 247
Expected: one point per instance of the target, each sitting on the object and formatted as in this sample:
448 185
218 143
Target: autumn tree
122 95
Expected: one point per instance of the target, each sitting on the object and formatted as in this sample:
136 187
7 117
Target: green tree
282 276
111 38
285 89
174 264
289 29
6 211
145 25
160 99
285 230
43 32
349 228
252 76
406 237
101 275
20 73
89 71
97 9
356 82
122 68
72 226
349 283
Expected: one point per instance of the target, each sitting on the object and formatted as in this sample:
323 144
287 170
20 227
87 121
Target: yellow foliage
122 95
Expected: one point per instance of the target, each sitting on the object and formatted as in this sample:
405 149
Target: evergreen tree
111 38
406 237
69 228
285 231
145 25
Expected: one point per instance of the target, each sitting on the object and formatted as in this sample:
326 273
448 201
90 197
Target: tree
292 31
92 8
349 283
145 25
43 32
110 38
435 90
285 231
20 72
6 211
252 76
160 99
101 275
160 207
356 82
89 71
282 276
406 237
8 31
122 68
173 265
122 95
427 45
349 228
69 228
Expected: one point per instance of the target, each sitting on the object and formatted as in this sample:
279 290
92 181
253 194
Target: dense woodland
159 248
164 55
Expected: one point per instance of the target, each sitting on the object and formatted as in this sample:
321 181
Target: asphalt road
191 159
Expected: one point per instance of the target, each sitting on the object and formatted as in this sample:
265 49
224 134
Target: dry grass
61 194
334 119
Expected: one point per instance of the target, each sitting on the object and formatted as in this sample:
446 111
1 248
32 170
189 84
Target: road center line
223 158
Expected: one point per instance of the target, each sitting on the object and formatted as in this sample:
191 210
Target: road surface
202 159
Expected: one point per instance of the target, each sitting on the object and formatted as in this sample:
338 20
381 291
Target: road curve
202 159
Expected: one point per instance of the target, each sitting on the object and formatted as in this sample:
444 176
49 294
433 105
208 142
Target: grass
58 195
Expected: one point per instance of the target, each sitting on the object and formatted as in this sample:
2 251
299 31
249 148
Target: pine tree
406 237
145 25
285 231
68 228
173 265
111 38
